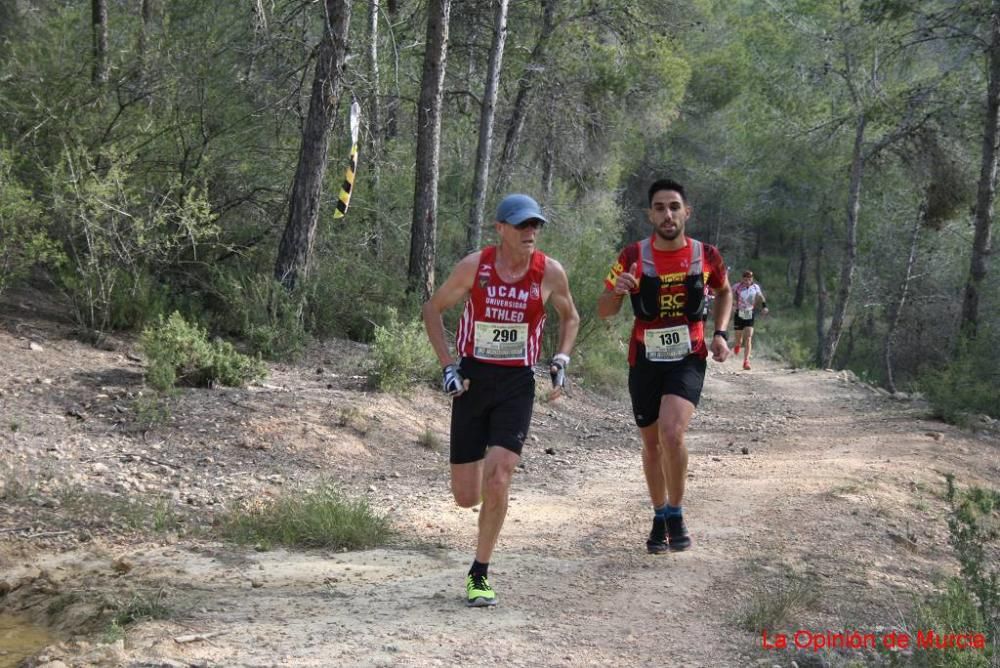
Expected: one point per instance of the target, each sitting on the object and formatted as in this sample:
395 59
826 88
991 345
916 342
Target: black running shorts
739 323
496 410
649 382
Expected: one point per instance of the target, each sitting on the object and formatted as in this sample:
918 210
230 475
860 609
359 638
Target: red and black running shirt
672 267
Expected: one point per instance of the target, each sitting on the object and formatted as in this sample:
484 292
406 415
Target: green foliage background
166 188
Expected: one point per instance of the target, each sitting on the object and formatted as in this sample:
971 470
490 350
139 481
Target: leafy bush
969 603
402 356
321 517
968 384
118 236
23 241
600 360
264 314
791 338
351 290
181 354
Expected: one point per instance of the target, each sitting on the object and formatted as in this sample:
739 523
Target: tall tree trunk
520 110
259 33
295 249
391 128
486 115
821 299
896 308
99 24
800 282
850 246
423 231
145 26
981 242
374 152
548 165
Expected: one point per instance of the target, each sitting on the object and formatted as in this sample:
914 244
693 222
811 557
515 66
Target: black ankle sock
479 568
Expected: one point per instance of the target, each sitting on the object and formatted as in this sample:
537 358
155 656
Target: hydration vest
646 302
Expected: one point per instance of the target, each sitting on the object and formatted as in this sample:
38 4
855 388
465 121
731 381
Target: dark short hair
666 184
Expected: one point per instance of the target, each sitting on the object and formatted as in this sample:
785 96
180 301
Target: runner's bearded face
668 214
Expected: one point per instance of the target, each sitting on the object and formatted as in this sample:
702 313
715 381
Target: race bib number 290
501 341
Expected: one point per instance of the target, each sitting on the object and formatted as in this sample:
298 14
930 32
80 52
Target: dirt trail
840 488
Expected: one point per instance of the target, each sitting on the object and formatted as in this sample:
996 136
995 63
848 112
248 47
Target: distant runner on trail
665 276
747 295
505 288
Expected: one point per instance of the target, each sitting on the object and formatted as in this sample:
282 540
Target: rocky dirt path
838 492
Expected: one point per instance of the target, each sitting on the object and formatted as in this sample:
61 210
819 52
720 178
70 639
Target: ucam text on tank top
502 322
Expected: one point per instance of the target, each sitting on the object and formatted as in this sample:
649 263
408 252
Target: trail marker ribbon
352 165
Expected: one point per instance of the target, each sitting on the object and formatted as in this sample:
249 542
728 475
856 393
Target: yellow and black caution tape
345 190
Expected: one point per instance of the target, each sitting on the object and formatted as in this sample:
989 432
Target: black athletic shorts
496 410
739 323
649 382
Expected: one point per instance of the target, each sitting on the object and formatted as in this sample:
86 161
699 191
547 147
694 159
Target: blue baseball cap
517 209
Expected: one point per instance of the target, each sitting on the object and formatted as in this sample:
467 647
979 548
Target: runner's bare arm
557 285
762 298
454 290
721 311
723 306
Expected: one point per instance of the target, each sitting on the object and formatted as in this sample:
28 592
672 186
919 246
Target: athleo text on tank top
502 322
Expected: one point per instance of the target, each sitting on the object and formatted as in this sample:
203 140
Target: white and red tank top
502 322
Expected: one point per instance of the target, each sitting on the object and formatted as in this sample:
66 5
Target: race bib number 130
501 341
667 344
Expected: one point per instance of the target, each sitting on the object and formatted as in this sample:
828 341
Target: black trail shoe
657 541
677 533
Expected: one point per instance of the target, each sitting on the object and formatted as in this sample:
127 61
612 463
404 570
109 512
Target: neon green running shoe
480 593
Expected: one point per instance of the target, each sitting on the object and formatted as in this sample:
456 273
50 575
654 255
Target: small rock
550 451
256 584
35 347
745 450
121 566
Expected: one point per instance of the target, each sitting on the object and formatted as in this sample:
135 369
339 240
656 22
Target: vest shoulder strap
646 256
697 255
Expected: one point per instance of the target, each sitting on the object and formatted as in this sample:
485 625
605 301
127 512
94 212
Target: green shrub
118 235
952 611
774 606
789 337
141 606
967 385
970 603
264 314
181 354
350 289
402 356
321 517
600 360
23 241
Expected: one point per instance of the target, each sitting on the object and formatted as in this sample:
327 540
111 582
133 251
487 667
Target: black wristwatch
722 333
